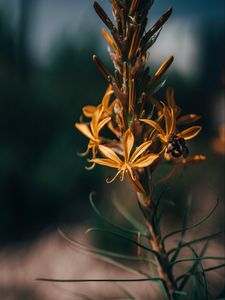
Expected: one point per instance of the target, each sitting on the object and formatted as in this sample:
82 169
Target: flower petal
145 161
104 162
106 98
89 110
170 98
102 123
190 133
84 128
128 143
140 150
95 120
153 124
108 153
168 119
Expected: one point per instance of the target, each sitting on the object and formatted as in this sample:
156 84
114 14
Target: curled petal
91 167
82 154
111 179
89 110
190 133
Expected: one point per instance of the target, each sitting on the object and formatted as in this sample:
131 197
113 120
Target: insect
177 147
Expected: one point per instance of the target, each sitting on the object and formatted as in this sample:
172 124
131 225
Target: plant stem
162 260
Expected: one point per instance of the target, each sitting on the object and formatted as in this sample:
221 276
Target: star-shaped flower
130 162
91 130
172 139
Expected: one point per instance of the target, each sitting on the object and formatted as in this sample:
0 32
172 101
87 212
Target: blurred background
47 75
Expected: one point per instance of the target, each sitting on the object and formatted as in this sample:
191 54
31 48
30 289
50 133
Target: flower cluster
141 132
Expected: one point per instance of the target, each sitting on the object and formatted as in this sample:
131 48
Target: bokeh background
47 75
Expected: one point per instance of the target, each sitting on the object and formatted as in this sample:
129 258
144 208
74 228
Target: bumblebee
177 147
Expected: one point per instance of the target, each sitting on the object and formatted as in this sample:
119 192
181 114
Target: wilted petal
190 133
108 153
140 150
84 128
145 161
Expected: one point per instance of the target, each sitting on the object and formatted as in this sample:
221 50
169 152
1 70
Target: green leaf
185 277
201 221
181 293
205 287
123 211
104 255
123 237
99 280
182 233
196 259
207 237
107 220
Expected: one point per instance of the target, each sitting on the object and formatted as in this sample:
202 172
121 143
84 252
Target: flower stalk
146 131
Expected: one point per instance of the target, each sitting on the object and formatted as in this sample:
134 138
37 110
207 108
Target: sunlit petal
153 124
104 162
140 150
95 120
128 143
102 123
145 161
108 153
84 128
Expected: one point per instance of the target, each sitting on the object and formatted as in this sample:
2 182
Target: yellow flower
91 130
173 140
130 162
89 110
